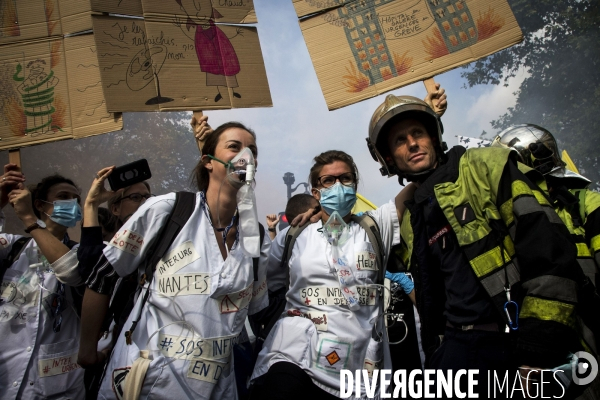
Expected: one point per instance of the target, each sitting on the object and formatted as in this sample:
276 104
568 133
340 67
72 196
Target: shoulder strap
290 239
15 252
185 202
261 230
580 194
370 226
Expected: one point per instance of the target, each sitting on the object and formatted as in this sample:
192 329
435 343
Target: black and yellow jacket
511 238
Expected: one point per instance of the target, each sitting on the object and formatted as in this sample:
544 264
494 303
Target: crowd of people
187 295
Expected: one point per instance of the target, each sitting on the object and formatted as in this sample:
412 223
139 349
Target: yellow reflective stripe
489 261
595 244
506 211
582 250
541 198
520 188
548 310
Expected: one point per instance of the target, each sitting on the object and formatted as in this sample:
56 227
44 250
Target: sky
299 126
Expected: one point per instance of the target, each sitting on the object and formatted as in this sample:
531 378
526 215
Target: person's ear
115 209
316 194
39 205
207 162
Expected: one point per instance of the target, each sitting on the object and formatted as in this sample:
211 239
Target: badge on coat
332 355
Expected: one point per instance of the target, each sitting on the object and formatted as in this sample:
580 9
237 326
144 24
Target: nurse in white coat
328 322
202 289
39 328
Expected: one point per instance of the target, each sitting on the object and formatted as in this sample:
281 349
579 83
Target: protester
38 323
101 282
324 312
272 221
200 295
473 215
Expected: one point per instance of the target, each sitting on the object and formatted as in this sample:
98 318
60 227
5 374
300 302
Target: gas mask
240 174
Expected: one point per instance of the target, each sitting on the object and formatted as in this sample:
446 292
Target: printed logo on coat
318 318
128 241
118 381
184 284
179 257
4 241
234 302
194 347
16 302
57 365
333 296
332 355
206 371
439 234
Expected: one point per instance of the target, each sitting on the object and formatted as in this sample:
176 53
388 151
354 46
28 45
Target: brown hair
330 157
119 196
200 173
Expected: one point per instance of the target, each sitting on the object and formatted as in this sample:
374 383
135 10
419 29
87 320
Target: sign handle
14 157
429 85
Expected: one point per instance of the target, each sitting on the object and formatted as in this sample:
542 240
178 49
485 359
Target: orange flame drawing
488 24
435 46
55 53
13 113
402 63
355 81
49 9
9 25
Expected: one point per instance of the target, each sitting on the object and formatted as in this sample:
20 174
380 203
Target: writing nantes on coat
216 55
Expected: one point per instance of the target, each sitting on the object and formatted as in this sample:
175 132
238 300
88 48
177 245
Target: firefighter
495 271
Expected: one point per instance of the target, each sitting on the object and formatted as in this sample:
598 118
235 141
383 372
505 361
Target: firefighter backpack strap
261 230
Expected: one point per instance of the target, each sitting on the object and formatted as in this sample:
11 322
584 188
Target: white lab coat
191 359
318 332
36 362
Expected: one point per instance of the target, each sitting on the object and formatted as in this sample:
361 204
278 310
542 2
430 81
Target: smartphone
129 174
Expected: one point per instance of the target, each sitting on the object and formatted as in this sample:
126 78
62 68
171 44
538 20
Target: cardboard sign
224 11
182 64
362 48
38 103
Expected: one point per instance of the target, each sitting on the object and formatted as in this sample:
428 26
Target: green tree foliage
561 54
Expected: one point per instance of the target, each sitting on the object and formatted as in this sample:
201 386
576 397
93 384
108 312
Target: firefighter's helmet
535 146
395 108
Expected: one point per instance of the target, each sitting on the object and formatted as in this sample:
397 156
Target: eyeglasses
137 197
347 179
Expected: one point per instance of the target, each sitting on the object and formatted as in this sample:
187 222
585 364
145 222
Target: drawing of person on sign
37 91
216 55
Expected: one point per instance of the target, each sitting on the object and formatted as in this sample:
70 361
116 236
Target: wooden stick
198 114
429 85
14 157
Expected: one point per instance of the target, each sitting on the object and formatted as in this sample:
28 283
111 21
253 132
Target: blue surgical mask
338 198
66 212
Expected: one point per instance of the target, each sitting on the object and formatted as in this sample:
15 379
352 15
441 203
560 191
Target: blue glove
401 279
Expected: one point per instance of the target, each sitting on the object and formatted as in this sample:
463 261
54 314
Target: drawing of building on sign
366 39
454 22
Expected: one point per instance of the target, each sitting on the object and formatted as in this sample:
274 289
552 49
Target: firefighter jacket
511 238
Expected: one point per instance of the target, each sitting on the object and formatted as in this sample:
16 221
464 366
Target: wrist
29 220
271 229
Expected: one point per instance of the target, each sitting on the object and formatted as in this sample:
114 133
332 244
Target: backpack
263 322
